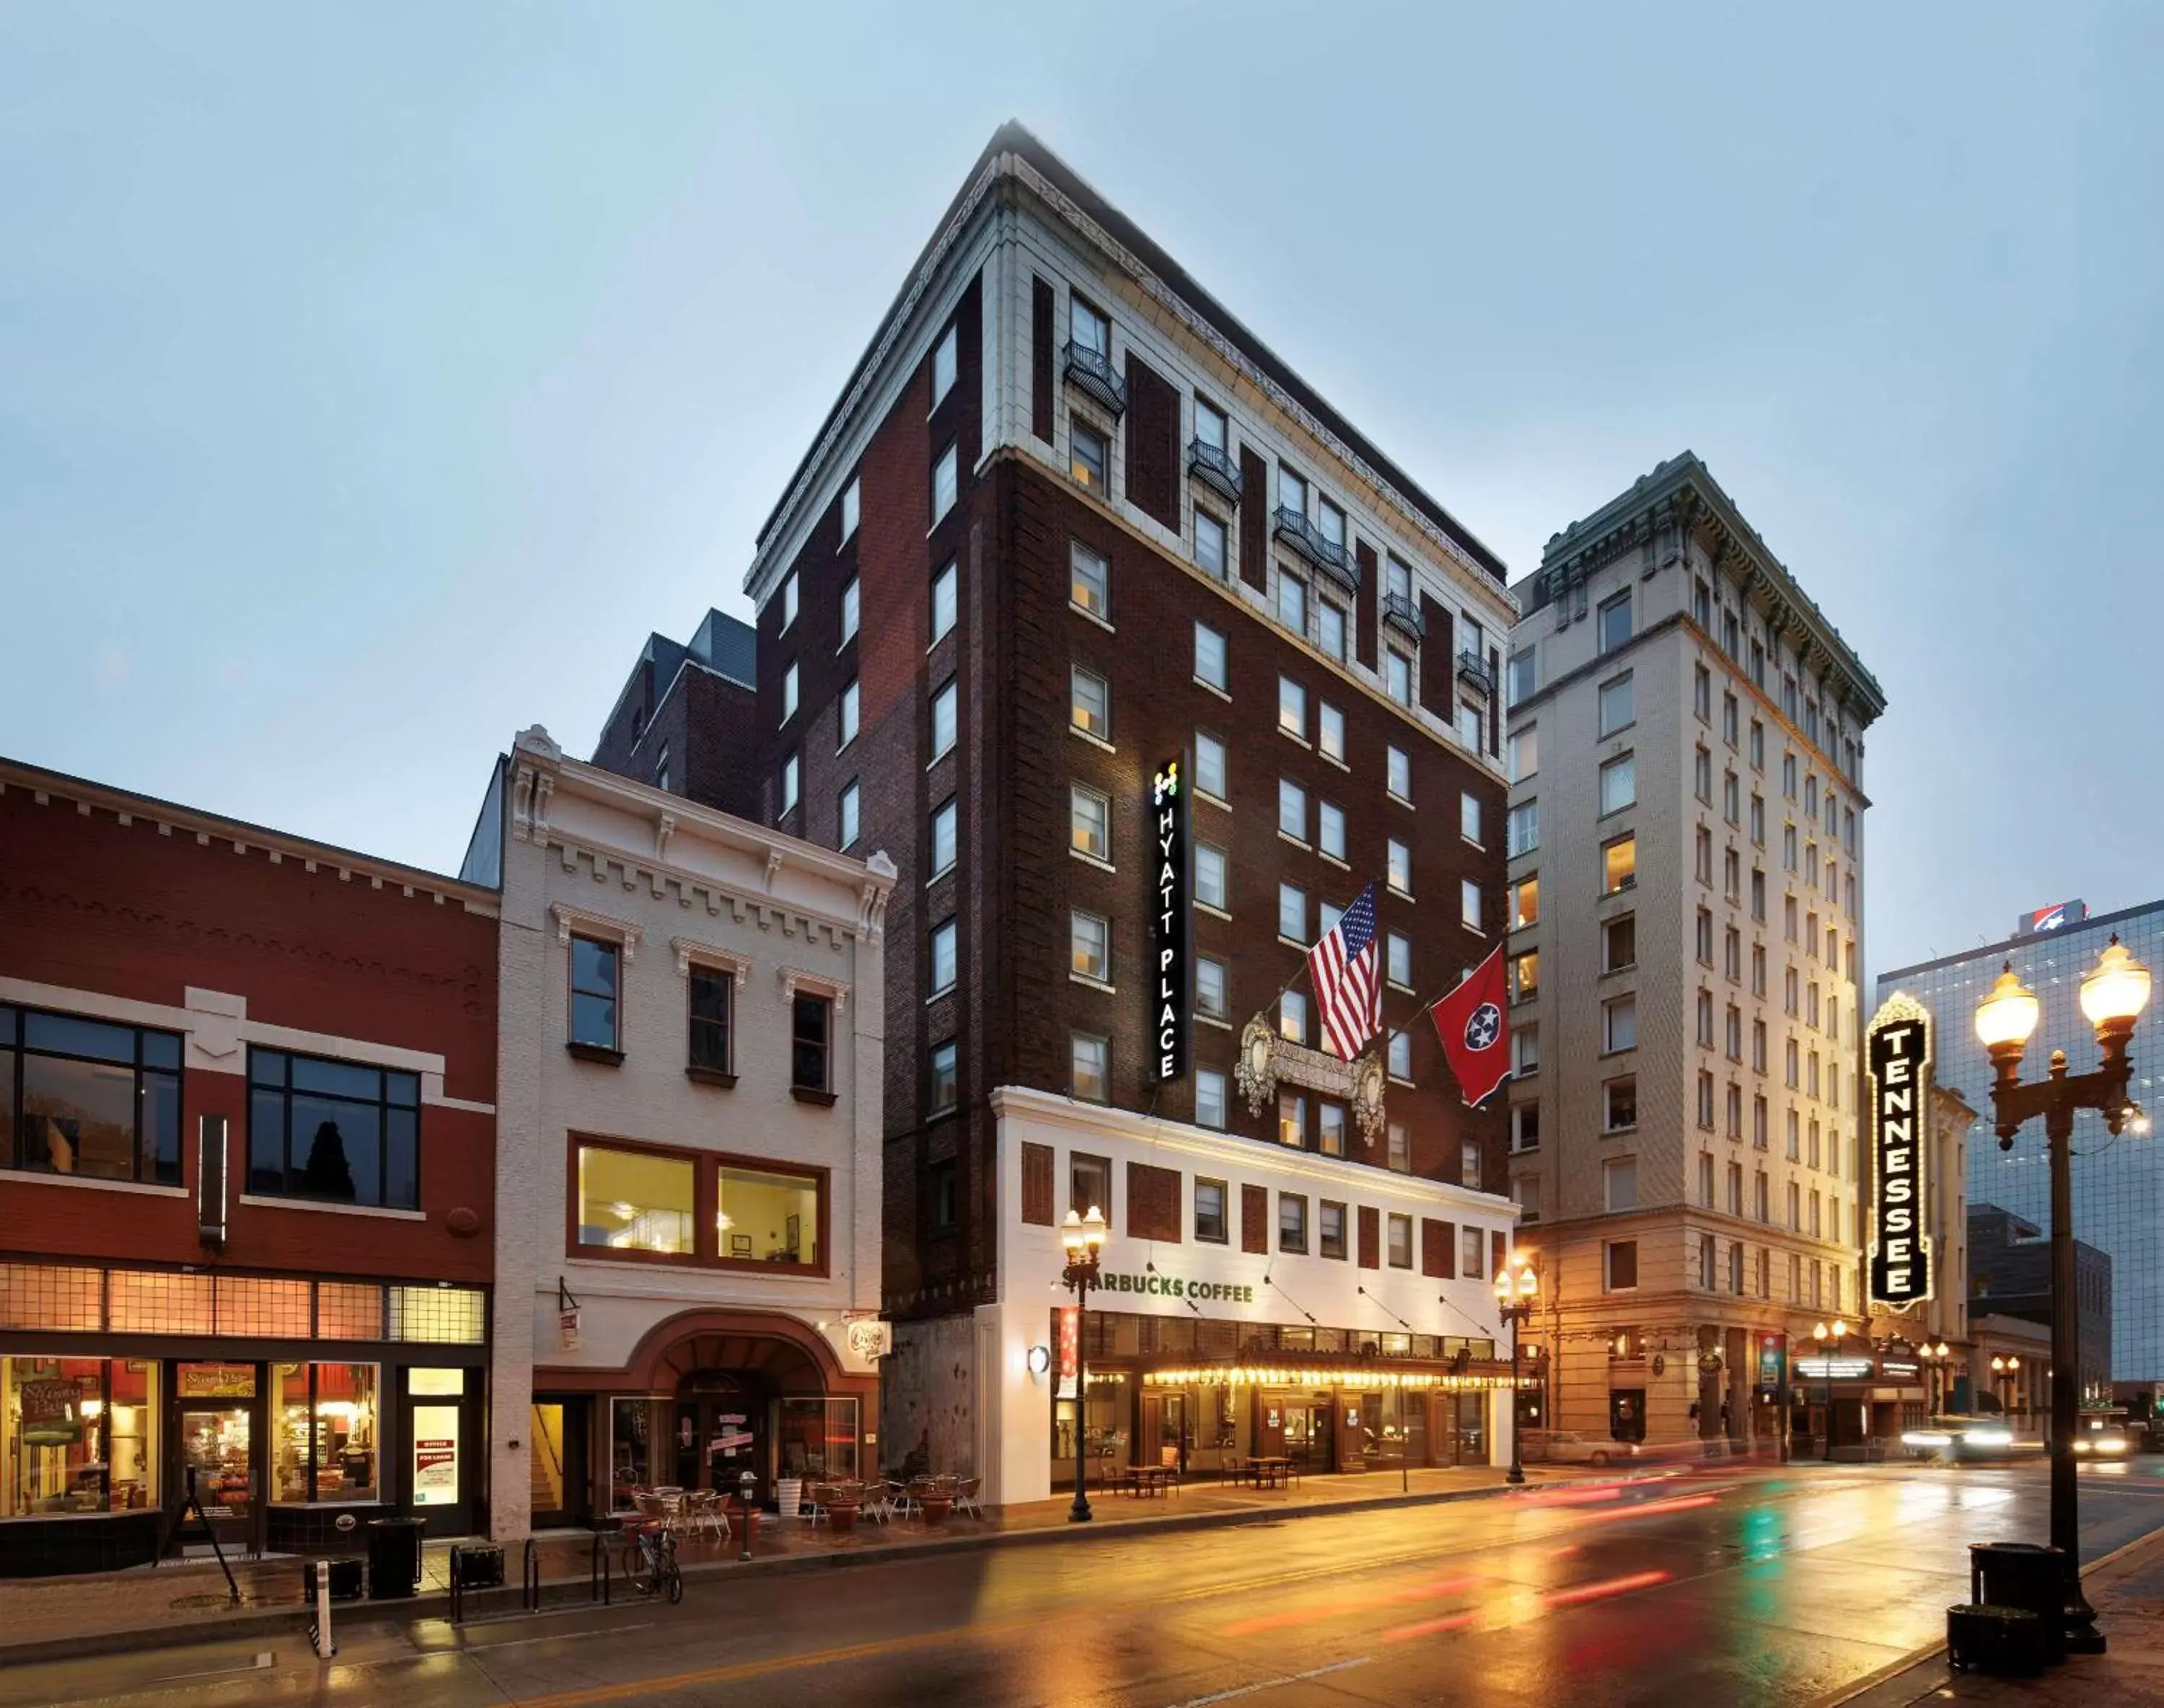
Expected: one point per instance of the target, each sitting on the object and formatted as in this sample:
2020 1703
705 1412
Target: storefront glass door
1310 1438
217 1445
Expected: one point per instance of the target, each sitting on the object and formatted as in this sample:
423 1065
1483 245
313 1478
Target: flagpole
1305 969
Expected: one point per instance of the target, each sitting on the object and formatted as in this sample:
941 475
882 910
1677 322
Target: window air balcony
1399 613
1306 540
1091 371
1214 468
1473 671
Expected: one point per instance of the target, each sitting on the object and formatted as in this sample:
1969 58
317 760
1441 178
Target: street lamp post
1934 1360
2004 1370
1082 1239
2112 998
1516 1286
1822 1334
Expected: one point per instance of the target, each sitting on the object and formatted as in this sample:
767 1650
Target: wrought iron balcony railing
1091 371
1473 671
1307 540
1214 468
1398 611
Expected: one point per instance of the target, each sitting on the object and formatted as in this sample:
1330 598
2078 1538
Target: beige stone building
688 1170
1686 892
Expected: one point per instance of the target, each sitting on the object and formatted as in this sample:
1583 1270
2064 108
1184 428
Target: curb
289 1618
1928 1659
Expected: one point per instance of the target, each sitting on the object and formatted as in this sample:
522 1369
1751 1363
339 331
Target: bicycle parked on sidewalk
653 1569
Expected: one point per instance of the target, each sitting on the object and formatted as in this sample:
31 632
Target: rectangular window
1330 1229
1292 1017
1398 960
789 693
1292 491
1089 1068
1619 784
1088 1184
337 1131
1468 819
1292 1222
1619 1180
1620 1105
1702 776
1621 1260
1330 629
1211 775
1618 864
1330 732
945 601
1292 810
710 989
853 495
1399 1148
1525 1050
1398 676
945 1088
1398 773
1525 903
1701 694
1525 753
791 773
1212 883
632 1200
946 482
1210 426
846 817
1618 1022
1619 943
1472 1254
1292 912
945 711
1089 579
810 1047
594 988
1089 823
1615 704
788 604
1400 1240
1210 1211
1398 1057
1212 988
1209 1098
1615 629
1292 602
851 604
89 1098
1524 975
777 1210
851 703
1089 454
944 355
1210 543
1210 665
1399 869
945 966
1757 748
1468 1166
1090 946
1525 1126
1292 709
1523 680
1090 704
1329 830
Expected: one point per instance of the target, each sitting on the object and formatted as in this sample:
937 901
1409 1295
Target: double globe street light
1517 1286
1083 1239
2112 997
1822 1334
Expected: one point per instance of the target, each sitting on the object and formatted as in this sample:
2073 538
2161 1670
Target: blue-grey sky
373 379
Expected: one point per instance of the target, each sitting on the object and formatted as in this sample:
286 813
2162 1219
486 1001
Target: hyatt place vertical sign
1897 1057
1169 899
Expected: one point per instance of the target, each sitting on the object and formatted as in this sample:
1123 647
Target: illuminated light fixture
2118 990
2009 1014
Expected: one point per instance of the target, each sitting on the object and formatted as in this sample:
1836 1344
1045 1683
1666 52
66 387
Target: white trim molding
569 918
796 978
690 952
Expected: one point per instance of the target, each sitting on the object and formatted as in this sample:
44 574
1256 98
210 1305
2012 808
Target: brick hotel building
1070 522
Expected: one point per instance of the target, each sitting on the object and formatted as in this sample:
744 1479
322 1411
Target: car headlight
2113 1445
2081 1444
1989 1438
1926 1437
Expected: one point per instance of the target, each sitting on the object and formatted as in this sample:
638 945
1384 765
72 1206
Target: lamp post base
1517 1473
1079 1513
2082 1637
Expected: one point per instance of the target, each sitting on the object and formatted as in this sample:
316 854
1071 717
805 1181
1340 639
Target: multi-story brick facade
247 1180
1071 522
1686 902
683 722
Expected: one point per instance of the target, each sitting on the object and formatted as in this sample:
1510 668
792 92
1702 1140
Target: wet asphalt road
1706 1590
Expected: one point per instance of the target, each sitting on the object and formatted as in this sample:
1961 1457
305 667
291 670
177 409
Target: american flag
1348 986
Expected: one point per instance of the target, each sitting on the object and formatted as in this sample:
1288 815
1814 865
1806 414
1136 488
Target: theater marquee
1168 898
1897 1056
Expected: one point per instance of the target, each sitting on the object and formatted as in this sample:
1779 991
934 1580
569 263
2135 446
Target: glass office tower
2119 1183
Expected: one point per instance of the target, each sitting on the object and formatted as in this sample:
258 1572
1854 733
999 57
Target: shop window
88 1098
339 1132
766 1215
818 1437
325 1431
78 1435
636 1201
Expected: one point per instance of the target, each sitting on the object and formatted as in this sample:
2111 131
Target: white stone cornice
690 952
570 919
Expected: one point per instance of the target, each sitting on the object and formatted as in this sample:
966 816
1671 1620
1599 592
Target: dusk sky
372 382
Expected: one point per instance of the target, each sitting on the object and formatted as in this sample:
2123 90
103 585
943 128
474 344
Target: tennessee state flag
1472 1022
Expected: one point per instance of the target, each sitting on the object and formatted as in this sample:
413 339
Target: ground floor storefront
142 1411
703 1398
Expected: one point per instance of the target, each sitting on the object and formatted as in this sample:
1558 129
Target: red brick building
1071 522
247 1131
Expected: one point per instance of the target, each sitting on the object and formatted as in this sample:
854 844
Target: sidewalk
2127 1590
55 1618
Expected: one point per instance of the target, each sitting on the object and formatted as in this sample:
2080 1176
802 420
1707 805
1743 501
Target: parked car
1566 1447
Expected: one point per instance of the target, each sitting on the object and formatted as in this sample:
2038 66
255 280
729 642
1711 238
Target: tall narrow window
812 1023
710 988
594 992
944 361
946 482
848 815
851 703
945 957
1089 582
1209 657
1091 704
852 506
945 590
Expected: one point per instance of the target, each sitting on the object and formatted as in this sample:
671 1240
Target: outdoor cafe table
1270 1472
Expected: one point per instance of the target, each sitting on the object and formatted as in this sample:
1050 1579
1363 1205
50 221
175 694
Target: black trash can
478 1566
347 1583
394 1557
2023 1575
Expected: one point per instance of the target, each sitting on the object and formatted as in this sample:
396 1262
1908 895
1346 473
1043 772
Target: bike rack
529 1578
600 1571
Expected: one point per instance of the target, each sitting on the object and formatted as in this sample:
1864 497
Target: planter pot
1995 1639
788 1496
936 1507
841 1518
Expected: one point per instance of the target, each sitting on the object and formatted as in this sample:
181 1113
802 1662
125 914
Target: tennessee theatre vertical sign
1898 1056
1168 921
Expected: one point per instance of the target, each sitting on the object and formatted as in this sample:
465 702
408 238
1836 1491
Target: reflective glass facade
2119 1183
